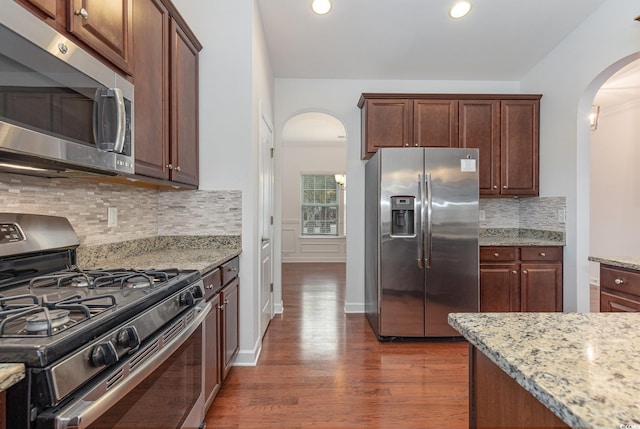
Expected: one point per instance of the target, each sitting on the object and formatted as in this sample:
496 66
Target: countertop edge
10 374
628 262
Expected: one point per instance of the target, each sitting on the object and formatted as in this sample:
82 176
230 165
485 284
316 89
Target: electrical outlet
562 216
482 214
112 217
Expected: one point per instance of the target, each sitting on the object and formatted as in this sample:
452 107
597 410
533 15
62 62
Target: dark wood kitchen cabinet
212 375
619 289
521 279
166 132
504 127
230 315
104 27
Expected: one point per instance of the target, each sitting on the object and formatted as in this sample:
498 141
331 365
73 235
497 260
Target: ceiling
499 40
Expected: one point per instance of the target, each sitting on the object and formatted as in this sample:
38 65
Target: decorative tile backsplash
523 213
141 212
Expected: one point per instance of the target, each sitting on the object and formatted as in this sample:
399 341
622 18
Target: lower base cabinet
221 326
497 401
619 289
521 279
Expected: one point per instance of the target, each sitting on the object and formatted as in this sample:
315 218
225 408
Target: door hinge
271 150
271 287
271 220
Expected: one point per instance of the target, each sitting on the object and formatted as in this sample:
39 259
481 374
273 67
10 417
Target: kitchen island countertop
581 366
10 374
629 262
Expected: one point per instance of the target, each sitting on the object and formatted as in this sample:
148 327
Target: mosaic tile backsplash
141 213
523 213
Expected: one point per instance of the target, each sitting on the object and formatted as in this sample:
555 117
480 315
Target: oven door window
166 397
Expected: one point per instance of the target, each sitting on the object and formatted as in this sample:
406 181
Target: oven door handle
87 409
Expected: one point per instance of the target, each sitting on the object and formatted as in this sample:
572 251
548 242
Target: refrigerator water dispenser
402 216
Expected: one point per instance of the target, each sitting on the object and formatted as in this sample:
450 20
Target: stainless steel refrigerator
421 240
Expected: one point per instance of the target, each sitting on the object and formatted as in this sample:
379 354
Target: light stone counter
10 374
202 253
584 367
520 237
630 262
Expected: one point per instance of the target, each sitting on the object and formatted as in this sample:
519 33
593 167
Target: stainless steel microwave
62 111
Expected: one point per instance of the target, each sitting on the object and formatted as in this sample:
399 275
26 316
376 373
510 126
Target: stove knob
129 337
187 299
104 354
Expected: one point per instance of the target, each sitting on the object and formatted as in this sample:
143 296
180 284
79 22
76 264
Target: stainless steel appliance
102 348
421 240
62 112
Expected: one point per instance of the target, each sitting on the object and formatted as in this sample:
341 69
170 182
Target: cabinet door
184 108
212 373
519 145
151 39
435 123
611 301
499 287
541 287
386 123
48 7
229 297
479 127
104 26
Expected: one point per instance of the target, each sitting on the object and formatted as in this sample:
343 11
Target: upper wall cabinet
102 26
503 127
166 111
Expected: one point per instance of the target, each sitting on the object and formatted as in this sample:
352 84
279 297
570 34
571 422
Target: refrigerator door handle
421 189
428 223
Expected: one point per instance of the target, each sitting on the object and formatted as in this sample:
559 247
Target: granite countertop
202 253
10 374
520 237
582 366
630 262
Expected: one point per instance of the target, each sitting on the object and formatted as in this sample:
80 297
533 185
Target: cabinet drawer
541 253
619 279
230 270
489 254
615 303
212 283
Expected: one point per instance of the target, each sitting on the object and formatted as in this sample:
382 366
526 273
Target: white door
266 224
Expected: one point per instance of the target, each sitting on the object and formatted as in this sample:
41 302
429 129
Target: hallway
323 368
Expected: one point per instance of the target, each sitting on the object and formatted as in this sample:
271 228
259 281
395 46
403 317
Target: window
319 204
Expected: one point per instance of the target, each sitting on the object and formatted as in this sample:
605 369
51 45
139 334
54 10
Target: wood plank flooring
323 368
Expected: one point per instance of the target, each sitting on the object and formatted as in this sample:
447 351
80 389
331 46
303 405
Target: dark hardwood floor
323 368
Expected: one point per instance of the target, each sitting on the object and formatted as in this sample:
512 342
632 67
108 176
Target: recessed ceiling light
460 9
321 7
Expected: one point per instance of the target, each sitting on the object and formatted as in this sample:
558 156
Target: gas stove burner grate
40 322
16 304
88 306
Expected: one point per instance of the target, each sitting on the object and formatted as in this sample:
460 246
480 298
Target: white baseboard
354 307
278 308
249 357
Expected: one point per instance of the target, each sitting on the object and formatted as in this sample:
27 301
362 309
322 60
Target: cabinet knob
495 186
543 254
406 144
415 144
504 186
209 286
514 272
496 254
170 166
178 168
619 281
525 272
83 13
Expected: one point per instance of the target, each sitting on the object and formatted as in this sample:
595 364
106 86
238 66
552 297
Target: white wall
569 77
308 158
339 98
236 84
615 185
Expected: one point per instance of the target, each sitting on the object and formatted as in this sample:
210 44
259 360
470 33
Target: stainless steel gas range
102 348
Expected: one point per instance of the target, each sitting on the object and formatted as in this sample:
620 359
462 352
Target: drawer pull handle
619 281
543 254
496 254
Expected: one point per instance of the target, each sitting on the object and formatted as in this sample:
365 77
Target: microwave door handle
121 114
421 195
